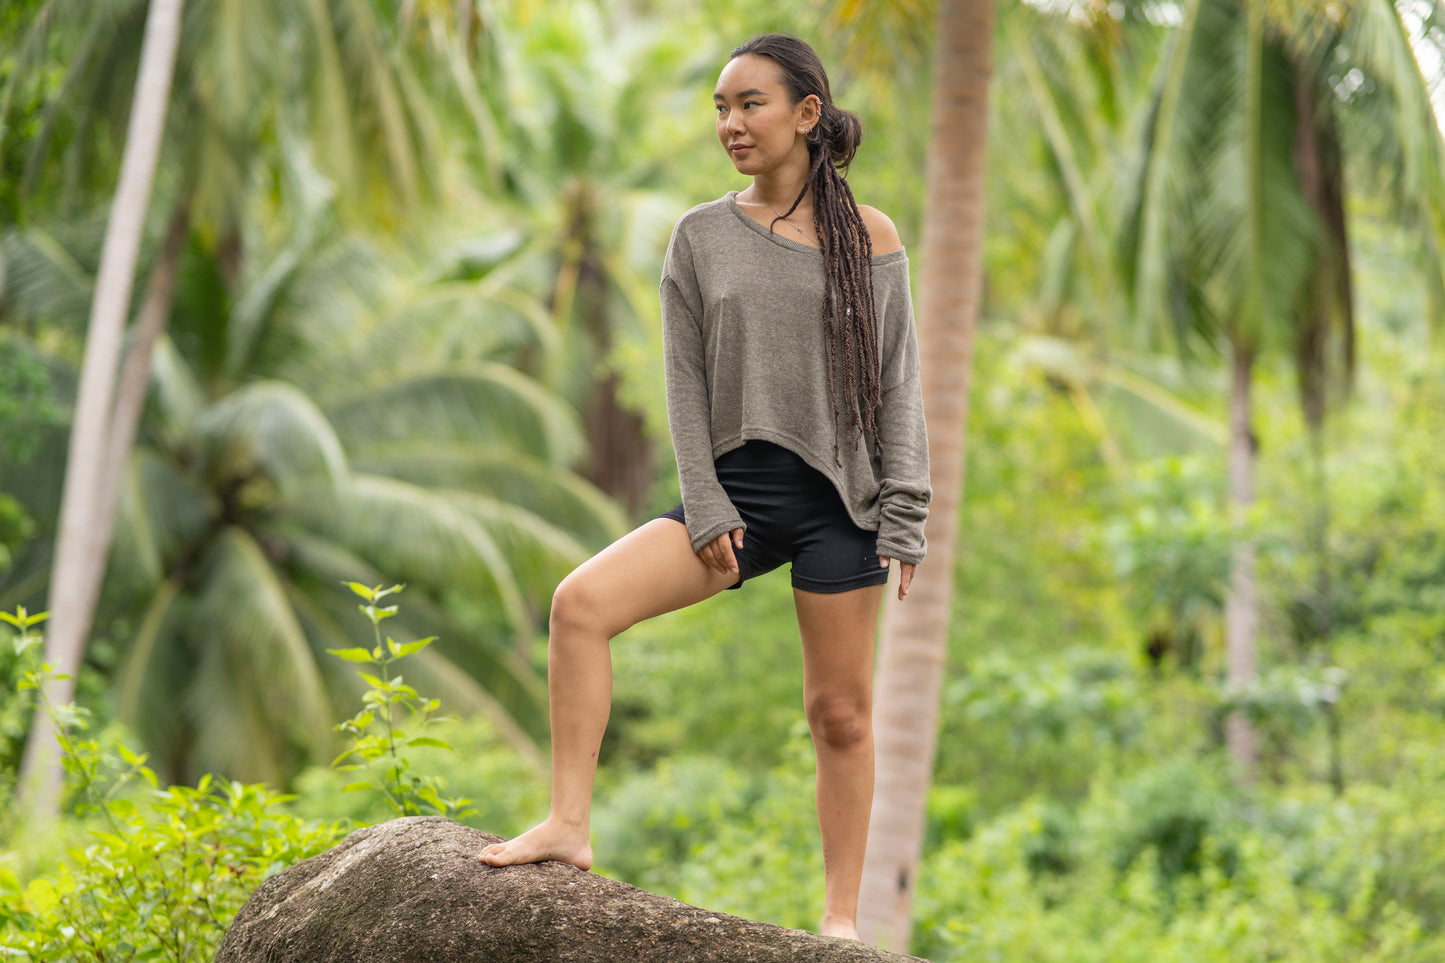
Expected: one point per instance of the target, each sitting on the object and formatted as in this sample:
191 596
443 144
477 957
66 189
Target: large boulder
411 891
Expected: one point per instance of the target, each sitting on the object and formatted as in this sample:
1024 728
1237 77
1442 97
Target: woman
793 400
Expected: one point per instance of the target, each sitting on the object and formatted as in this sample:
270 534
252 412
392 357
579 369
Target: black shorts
794 514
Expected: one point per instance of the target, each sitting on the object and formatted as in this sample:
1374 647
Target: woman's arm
706 506
902 433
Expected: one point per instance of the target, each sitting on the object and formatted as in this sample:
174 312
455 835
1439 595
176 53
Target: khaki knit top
745 359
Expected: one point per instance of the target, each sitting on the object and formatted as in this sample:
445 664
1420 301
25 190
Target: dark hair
850 317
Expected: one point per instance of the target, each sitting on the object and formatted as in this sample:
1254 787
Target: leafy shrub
162 877
165 870
715 834
392 720
1160 870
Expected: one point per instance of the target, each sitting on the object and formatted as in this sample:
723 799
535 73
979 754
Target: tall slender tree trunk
84 540
1241 608
914 645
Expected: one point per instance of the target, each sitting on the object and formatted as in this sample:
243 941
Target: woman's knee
582 605
840 720
575 606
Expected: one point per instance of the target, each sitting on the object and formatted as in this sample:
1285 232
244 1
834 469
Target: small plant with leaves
393 719
17 708
165 869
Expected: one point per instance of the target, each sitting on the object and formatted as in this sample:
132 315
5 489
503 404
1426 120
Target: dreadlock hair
850 317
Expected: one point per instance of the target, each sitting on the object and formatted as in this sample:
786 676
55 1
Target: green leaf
352 655
364 591
428 741
357 786
411 648
121 808
41 896
129 756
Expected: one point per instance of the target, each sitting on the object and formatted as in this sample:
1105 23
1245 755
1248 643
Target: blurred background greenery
415 338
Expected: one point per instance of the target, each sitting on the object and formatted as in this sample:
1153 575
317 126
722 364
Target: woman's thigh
838 632
647 572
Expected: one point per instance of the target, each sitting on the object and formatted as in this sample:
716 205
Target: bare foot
546 841
843 929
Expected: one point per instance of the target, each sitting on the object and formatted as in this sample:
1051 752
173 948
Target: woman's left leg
838 632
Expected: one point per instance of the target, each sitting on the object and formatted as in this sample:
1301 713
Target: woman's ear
812 109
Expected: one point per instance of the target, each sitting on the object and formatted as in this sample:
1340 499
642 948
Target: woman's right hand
718 553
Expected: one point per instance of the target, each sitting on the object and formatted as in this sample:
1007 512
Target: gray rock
411 891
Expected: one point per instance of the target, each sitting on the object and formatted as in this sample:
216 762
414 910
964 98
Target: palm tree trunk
1241 608
130 397
82 545
914 644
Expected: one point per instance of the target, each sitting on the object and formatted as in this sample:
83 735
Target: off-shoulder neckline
731 200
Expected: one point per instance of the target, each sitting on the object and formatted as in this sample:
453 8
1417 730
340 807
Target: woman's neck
779 189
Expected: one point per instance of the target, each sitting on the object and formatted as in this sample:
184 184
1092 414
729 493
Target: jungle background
413 337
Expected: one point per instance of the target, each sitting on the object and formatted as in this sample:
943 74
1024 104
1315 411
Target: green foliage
379 740
1171 553
507 788
25 408
163 871
667 695
715 834
332 404
25 402
1166 867
15 664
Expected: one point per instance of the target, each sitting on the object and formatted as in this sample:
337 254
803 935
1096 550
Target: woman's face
757 122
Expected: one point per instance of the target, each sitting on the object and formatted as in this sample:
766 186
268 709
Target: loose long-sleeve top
745 360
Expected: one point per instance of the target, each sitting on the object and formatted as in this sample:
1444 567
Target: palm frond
560 496
251 649
419 536
151 671
483 402
1168 153
542 552
1412 148
45 278
277 428
154 668
475 674
175 396
163 514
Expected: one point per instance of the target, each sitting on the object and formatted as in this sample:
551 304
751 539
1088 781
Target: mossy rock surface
411 891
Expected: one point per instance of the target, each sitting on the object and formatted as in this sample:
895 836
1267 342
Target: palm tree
1238 232
585 166
913 646
81 547
228 76
341 420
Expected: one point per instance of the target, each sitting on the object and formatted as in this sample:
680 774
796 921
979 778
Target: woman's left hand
905 574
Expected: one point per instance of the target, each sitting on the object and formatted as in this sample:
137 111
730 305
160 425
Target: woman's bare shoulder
880 230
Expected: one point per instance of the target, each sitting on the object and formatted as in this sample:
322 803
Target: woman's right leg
648 572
